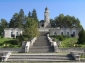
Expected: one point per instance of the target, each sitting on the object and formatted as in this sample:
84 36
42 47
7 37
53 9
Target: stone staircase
41 45
53 57
41 51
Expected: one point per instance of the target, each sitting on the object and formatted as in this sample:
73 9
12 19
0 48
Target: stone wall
14 31
80 50
65 31
10 49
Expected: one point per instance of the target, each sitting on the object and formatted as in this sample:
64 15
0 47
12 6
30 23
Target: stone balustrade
5 55
26 44
53 43
32 41
75 55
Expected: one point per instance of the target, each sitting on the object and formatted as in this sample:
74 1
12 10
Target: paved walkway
42 62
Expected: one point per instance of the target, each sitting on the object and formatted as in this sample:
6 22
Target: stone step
39 57
41 47
41 40
39 60
41 51
41 44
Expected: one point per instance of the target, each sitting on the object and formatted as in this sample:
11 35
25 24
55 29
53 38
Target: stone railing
32 41
76 55
53 43
5 55
26 44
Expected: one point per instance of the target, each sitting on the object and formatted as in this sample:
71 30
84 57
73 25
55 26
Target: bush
12 42
81 39
2 35
60 37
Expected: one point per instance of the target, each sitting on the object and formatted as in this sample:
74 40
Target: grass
82 55
68 42
2 40
8 42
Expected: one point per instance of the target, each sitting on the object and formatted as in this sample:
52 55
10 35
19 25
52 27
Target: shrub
61 38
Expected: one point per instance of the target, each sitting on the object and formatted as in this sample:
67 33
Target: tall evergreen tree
3 24
29 14
14 21
81 39
34 15
21 18
17 20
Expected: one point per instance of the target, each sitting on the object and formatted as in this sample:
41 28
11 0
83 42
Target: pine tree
14 21
81 39
3 24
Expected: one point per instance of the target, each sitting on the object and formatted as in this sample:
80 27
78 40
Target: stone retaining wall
10 49
80 50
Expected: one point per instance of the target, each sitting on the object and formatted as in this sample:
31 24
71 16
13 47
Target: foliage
3 24
28 23
82 55
8 42
30 29
68 42
59 37
14 21
67 21
53 23
17 20
81 39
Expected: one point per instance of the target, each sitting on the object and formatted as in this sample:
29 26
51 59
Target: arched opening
55 33
74 33
61 33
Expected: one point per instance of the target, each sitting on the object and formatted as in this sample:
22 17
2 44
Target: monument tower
46 18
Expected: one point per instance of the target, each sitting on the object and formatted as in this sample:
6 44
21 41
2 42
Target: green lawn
8 42
2 40
68 42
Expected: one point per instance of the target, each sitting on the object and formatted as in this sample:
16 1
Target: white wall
7 32
70 30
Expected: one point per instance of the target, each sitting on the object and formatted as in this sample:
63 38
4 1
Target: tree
17 20
59 20
21 18
81 39
34 15
14 21
29 14
30 30
67 21
3 24
53 23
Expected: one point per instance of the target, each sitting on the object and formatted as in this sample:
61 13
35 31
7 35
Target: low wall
80 50
10 49
5 56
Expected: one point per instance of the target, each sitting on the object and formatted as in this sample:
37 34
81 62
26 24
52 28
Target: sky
67 7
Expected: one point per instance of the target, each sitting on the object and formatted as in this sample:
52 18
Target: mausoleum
44 26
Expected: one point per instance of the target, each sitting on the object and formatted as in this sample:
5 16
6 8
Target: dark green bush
59 37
